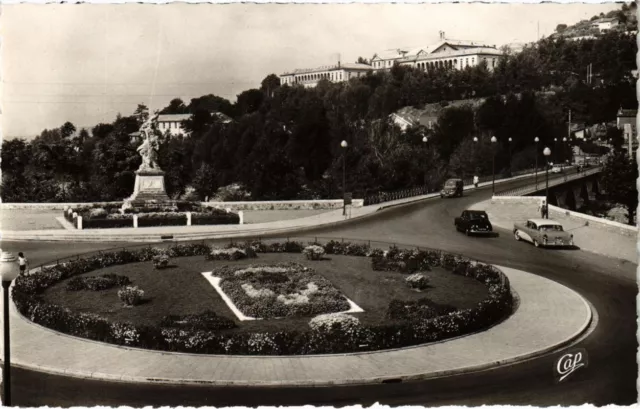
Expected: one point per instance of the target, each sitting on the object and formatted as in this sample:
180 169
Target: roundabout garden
266 298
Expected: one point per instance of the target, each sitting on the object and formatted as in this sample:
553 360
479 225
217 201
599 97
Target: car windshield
477 216
551 227
450 183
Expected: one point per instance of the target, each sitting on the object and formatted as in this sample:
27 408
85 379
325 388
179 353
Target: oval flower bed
415 323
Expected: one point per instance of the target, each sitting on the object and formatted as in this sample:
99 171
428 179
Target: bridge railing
532 188
381 197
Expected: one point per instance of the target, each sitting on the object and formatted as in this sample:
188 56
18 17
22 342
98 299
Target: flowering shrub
313 252
231 254
98 213
414 322
334 322
418 281
281 290
131 296
103 282
161 261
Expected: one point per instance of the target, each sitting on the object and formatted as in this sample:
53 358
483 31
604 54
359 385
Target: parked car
556 169
543 233
473 222
452 188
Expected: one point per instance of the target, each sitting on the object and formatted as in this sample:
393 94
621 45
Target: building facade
333 73
446 53
172 123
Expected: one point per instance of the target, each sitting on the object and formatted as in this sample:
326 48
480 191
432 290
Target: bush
418 281
98 213
422 309
162 219
161 261
334 322
131 296
231 254
103 282
313 252
207 320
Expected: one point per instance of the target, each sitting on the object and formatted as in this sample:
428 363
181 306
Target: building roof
454 54
336 67
545 222
173 117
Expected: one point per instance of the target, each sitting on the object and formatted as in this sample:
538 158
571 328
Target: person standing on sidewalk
476 180
24 263
543 209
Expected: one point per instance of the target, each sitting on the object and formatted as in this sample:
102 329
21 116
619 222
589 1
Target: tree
362 61
176 106
619 178
270 84
141 113
560 28
67 129
249 101
204 181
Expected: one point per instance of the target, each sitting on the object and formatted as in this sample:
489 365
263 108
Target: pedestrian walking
23 262
476 180
543 209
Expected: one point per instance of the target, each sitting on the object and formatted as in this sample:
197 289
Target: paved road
609 286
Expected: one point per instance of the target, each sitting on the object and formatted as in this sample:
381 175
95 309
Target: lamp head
425 139
9 268
546 151
536 139
475 139
344 144
494 139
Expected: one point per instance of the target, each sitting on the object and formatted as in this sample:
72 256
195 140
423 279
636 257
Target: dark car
452 188
474 222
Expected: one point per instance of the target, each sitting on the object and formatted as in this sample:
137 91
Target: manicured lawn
182 290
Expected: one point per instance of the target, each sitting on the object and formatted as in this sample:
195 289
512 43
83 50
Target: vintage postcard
318 204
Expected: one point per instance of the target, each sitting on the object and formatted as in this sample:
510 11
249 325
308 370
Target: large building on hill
446 53
309 77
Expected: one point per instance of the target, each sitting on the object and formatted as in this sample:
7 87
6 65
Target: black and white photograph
398 204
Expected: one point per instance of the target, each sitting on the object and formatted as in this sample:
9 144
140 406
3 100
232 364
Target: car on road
473 222
556 169
452 188
543 233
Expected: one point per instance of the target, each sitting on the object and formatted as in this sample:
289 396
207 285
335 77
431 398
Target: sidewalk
589 237
182 233
549 316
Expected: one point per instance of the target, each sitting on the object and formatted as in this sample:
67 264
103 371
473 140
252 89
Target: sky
85 63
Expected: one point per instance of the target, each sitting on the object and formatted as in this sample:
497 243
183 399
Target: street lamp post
510 169
473 155
547 153
555 149
564 142
9 271
344 145
536 140
424 141
493 165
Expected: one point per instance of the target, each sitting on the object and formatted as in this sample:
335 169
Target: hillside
626 17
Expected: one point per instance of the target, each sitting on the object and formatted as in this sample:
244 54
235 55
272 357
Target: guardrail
382 197
525 190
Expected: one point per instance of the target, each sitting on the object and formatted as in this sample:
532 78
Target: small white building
172 123
605 24
310 77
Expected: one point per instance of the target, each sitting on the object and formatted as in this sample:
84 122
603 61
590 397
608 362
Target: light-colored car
543 233
556 169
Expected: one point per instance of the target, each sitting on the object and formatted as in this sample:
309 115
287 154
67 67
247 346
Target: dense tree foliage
284 141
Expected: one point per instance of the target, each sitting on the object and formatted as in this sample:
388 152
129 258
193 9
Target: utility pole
569 135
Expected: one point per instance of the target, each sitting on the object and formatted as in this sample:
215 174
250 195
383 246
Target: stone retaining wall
234 206
559 213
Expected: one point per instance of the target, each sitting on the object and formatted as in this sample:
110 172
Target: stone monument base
149 189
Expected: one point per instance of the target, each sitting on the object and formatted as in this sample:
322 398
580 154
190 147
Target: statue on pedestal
150 144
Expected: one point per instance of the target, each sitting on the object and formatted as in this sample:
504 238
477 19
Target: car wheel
535 243
516 234
441 196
